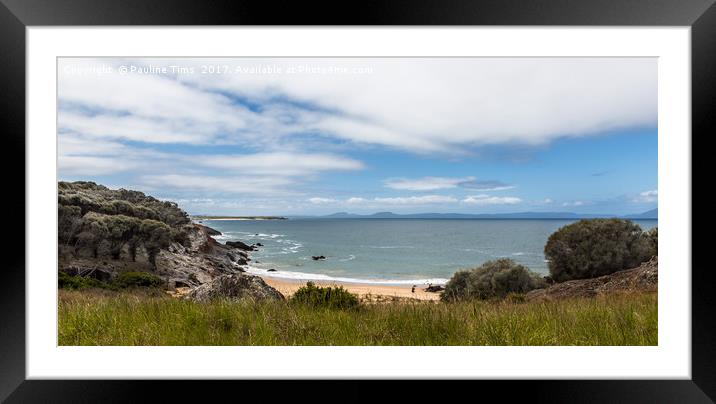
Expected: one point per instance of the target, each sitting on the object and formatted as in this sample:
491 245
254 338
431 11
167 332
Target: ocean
389 251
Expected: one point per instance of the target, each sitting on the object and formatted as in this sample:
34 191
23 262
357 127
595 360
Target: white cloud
485 186
416 200
320 201
547 200
435 183
355 200
404 200
647 196
491 200
280 163
87 165
424 105
574 203
249 185
425 183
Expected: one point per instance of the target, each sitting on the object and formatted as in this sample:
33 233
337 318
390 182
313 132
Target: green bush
65 281
595 247
329 297
493 279
134 279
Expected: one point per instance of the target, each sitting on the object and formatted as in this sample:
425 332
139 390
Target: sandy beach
369 292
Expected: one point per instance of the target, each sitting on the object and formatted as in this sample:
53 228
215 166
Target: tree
496 278
156 235
595 247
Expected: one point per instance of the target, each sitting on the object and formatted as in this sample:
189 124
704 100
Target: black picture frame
16 15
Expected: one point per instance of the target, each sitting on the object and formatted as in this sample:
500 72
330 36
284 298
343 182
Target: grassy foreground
131 318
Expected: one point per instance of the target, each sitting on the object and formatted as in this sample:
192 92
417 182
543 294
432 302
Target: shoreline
365 291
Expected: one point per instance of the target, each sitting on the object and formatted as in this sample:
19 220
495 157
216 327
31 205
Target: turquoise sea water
393 251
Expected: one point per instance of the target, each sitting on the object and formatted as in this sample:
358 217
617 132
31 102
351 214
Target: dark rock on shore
271 270
235 287
208 230
240 245
434 288
318 257
643 278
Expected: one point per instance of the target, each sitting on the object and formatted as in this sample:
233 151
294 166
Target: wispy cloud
306 137
491 200
436 183
425 183
321 201
479 101
281 163
647 196
485 186
249 185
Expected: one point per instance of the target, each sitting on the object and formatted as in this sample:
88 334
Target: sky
312 136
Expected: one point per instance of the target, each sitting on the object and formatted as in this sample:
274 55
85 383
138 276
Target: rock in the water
236 287
271 270
240 245
259 245
318 257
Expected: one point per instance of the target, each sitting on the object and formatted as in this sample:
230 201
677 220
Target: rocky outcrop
186 257
235 287
239 245
643 278
318 257
208 230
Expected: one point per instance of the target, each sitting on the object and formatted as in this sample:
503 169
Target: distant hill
652 214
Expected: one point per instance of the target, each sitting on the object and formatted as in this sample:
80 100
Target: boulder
318 257
434 288
235 287
271 270
239 245
259 245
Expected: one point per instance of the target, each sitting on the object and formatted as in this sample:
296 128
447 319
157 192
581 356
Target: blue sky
252 136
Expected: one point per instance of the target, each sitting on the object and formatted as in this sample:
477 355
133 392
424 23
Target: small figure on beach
413 289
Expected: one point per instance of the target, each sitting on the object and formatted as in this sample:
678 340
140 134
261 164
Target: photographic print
357 201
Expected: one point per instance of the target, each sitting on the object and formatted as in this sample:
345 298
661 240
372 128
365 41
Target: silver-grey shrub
493 279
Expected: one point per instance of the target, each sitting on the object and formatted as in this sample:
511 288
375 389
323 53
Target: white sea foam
351 257
321 277
388 246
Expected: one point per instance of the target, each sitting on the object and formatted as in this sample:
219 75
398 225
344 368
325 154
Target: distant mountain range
651 214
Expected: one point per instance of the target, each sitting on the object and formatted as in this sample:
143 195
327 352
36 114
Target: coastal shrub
595 247
156 235
65 281
136 279
653 236
493 279
326 297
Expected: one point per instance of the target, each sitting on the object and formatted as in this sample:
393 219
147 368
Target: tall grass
124 318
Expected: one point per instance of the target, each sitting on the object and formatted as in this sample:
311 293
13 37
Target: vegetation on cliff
101 222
